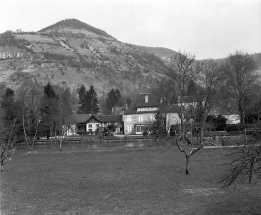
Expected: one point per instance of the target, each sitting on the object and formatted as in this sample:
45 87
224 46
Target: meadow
122 181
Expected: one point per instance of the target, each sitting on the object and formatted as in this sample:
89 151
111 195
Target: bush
236 127
145 133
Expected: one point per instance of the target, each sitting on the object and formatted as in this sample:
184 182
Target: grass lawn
122 181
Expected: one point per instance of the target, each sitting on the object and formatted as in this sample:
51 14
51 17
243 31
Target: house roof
83 118
190 99
153 101
79 118
110 118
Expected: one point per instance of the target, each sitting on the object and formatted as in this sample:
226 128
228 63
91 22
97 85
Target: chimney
146 98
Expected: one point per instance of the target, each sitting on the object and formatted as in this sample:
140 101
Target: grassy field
122 181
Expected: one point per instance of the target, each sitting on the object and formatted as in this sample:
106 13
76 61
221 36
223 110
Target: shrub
145 133
236 127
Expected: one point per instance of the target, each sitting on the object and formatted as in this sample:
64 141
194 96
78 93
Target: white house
140 114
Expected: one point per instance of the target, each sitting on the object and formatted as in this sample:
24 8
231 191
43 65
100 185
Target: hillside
70 53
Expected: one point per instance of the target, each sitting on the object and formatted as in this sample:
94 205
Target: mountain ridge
70 53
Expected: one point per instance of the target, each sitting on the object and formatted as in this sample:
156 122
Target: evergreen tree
92 101
113 98
8 105
49 110
82 102
158 127
10 112
192 88
66 103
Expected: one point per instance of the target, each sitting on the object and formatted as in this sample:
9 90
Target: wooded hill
70 53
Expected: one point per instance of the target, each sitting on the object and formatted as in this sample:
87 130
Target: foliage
219 122
112 127
8 39
158 128
49 110
82 101
88 101
8 121
11 113
29 96
113 99
236 127
192 88
93 101
8 146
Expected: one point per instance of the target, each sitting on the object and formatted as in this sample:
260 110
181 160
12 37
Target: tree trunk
187 164
47 135
26 141
251 170
2 164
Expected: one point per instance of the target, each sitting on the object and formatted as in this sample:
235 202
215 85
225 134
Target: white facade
232 119
138 123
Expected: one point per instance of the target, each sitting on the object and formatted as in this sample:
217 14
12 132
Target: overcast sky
206 28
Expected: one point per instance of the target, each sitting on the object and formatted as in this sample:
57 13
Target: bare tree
181 68
164 89
188 151
239 69
30 99
212 92
63 115
8 145
245 162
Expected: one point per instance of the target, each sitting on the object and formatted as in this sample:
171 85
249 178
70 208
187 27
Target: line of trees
208 84
30 113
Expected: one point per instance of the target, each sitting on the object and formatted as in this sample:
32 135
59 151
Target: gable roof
153 101
110 118
84 118
79 118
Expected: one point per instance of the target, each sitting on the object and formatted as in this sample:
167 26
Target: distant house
140 114
115 120
190 101
232 118
89 123
228 109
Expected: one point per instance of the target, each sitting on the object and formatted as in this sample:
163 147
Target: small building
89 123
140 114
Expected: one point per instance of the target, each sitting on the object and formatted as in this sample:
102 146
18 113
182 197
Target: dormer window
146 98
147 109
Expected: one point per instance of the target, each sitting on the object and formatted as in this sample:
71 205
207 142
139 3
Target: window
129 128
90 125
128 119
97 125
140 118
138 128
147 109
